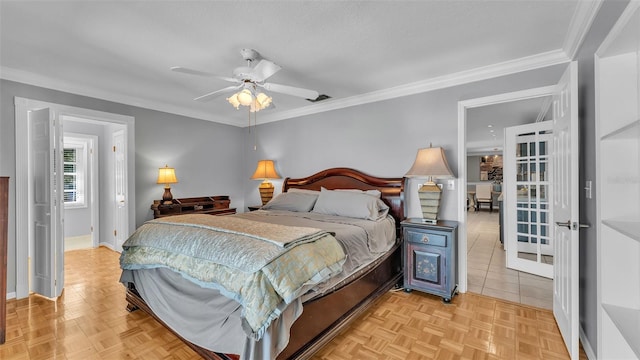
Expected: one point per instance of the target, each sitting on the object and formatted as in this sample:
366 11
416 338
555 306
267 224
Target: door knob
572 226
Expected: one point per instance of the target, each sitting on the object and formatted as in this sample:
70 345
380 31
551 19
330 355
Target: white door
565 208
47 221
527 196
120 167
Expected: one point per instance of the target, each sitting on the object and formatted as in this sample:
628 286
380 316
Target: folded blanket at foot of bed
260 265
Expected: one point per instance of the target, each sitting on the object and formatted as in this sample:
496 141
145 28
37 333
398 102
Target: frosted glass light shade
245 98
233 100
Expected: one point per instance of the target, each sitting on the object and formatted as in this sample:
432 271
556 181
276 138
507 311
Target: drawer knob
425 238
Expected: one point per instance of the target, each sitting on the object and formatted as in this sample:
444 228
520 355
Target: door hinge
92 229
114 148
115 232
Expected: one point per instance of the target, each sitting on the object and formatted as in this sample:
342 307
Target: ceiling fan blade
290 90
264 69
184 70
214 94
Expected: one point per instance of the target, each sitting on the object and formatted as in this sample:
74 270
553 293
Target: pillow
304 191
292 201
350 204
375 193
372 192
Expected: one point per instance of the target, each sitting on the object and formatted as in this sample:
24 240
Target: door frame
463 106
23 211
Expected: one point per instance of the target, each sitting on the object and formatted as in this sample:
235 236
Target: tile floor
487 273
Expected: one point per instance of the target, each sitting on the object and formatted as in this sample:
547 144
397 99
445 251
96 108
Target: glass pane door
528 214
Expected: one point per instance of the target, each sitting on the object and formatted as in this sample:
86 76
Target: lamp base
167 197
430 195
266 191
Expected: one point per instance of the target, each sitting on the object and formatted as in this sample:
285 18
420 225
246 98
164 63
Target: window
75 172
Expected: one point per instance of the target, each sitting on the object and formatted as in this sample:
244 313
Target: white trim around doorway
22 108
463 106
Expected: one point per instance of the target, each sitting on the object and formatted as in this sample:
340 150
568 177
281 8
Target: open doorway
487 271
80 184
50 258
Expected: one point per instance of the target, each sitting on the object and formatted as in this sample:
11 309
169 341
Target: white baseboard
107 245
11 295
586 345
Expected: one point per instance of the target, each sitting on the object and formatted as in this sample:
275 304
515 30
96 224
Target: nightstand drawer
421 237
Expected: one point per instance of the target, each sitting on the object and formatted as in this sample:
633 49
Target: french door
529 241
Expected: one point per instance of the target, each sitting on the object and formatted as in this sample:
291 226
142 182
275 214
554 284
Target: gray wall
380 138
201 151
473 168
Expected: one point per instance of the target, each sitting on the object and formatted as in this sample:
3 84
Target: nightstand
254 207
429 257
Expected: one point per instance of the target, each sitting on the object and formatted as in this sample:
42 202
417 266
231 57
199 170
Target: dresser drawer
422 237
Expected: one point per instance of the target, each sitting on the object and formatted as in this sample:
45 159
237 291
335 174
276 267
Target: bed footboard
325 317
322 318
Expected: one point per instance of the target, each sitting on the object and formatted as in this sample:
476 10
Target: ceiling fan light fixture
263 100
248 78
233 100
245 97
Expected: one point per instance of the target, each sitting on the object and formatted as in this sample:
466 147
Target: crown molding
52 83
579 25
482 73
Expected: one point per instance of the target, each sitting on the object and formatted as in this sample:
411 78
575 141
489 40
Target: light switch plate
451 185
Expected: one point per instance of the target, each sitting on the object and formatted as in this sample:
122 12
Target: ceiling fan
250 78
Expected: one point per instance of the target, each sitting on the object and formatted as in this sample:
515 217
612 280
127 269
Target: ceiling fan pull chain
255 130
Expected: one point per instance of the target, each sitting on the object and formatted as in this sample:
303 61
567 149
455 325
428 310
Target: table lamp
167 176
264 171
430 163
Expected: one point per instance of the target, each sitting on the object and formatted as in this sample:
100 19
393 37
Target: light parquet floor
89 321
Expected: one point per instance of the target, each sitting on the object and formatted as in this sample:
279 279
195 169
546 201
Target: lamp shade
167 175
265 170
430 162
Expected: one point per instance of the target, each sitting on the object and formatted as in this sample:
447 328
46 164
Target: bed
323 313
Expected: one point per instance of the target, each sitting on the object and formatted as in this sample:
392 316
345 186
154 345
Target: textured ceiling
122 50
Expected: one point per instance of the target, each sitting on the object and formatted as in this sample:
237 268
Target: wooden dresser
212 205
4 226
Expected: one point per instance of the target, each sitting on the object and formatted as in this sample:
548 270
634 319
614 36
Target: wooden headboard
392 189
